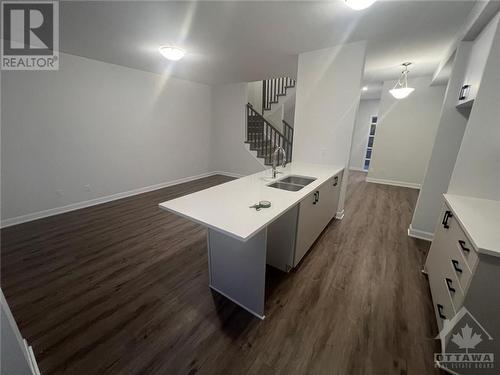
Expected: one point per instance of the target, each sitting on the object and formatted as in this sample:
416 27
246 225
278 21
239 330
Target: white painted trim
411 185
415 233
108 198
358 169
339 215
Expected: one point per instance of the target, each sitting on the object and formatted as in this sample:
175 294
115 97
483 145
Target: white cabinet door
329 199
308 225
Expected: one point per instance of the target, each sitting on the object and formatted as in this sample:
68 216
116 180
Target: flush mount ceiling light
172 53
359 4
364 88
401 89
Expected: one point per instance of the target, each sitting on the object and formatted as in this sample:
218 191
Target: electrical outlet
87 187
59 192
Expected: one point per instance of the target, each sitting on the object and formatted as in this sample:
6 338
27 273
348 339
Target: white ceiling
235 41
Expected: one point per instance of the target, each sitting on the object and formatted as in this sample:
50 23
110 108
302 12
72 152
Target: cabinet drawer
443 305
462 247
451 278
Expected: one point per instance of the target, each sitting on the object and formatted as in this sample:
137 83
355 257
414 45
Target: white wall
229 152
405 134
477 170
289 110
367 109
91 123
444 152
255 95
327 98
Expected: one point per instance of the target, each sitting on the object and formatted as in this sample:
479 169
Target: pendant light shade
401 89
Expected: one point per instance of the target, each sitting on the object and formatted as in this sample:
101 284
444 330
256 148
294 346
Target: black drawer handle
449 282
440 311
456 266
463 247
335 181
316 197
447 215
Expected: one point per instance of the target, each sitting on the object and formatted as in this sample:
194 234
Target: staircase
272 89
264 138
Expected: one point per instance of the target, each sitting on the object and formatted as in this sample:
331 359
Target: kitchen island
241 239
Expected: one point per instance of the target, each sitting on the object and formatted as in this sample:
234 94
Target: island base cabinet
329 198
281 241
314 214
308 227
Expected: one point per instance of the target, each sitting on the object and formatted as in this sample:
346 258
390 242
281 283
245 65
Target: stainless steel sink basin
285 186
298 180
292 183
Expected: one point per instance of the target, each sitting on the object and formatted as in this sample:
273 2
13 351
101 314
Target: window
371 139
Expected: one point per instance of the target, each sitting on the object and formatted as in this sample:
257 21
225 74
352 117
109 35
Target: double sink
292 183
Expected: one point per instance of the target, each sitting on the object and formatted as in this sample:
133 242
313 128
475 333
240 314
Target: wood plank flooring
121 288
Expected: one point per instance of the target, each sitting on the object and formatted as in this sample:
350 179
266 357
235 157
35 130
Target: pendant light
401 89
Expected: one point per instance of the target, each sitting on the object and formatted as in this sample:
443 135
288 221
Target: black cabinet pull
464 92
463 247
335 181
316 197
447 215
456 266
440 311
449 282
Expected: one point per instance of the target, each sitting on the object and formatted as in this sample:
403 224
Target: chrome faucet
275 160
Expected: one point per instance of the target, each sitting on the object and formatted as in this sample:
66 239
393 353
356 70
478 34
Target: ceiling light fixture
364 88
172 53
359 4
401 89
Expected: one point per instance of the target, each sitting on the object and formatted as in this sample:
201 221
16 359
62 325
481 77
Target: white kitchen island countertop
480 218
225 207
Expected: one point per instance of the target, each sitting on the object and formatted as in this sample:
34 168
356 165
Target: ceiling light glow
359 4
172 53
364 88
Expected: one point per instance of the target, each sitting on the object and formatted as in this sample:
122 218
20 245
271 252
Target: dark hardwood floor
121 288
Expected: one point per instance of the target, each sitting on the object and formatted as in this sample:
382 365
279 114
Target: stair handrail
267 122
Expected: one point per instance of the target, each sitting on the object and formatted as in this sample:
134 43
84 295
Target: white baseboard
415 233
108 198
394 183
229 174
339 215
358 169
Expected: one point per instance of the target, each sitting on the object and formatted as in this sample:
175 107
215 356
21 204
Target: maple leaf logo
466 340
